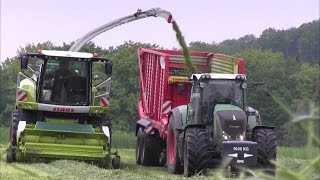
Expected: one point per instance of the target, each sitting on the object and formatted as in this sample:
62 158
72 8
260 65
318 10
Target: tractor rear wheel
150 151
266 139
139 146
173 162
196 154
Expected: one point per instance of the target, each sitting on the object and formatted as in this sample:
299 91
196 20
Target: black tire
139 146
115 162
196 154
174 164
266 139
162 159
20 115
150 151
17 116
10 156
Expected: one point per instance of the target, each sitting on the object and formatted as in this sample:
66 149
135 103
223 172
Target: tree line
287 61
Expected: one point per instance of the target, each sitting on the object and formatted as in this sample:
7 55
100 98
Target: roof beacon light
95 55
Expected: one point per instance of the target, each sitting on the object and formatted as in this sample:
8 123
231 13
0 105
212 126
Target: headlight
241 77
241 137
225 136
206 76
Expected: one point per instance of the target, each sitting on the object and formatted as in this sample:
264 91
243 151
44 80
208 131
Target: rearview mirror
108 68
95 77
24 62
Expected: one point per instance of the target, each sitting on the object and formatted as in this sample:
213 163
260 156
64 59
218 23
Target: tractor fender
180 116
260 127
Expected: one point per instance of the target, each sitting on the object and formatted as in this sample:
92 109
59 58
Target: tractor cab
218 90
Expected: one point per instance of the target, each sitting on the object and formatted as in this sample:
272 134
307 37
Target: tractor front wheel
266 139
195 155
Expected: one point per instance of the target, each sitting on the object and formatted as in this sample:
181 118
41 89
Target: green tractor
217 129
61 108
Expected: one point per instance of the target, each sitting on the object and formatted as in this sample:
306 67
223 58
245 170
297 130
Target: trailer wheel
266 139
196 155
162 159
173 162
139 146
150 151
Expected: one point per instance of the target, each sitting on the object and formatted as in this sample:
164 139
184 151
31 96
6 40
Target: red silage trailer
164 85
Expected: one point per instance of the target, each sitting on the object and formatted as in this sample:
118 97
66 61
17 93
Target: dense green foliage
282 59
300 43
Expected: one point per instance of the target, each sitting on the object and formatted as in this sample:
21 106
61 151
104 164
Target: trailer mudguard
180 116
144 123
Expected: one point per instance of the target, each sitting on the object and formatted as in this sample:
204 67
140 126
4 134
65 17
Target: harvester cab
61 110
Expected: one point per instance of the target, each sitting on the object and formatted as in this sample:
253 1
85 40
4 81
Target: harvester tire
196 154
139 146
17 116
10 156
174 164
150 151
115 163
266 139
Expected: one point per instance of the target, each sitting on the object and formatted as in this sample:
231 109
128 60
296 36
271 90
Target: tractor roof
220 76
65 55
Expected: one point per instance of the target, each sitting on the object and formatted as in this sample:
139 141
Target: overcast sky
58 21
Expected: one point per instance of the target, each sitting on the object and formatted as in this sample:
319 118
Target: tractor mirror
24 62
250 111
108 68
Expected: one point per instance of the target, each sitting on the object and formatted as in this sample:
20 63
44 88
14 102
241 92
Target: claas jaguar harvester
197 121
61 108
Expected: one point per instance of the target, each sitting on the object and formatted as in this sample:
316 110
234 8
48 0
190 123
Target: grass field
293 159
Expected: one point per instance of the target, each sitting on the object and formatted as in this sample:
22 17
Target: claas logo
67 110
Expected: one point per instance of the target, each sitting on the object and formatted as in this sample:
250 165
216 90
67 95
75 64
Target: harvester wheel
139 146
173 162
150 151
115 162
266 139
196 154
10 156
17 115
